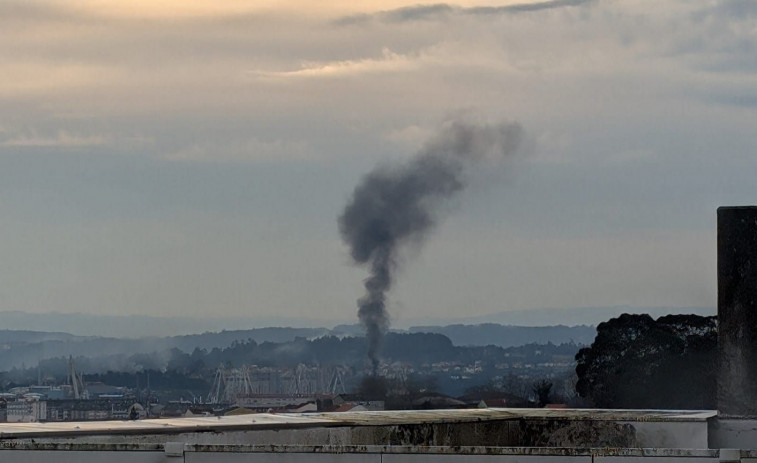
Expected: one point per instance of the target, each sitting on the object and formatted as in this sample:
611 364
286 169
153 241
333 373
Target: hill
509 336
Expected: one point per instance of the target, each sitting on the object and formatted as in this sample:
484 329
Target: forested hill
416 349
507 336
26 348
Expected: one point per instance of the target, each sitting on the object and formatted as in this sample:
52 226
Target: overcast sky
192 158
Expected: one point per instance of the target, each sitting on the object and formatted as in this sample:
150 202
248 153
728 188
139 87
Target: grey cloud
23 12
723 40
734 60
739 9
524 7
184 82
745 100
404 14
419 12
37 11
441 11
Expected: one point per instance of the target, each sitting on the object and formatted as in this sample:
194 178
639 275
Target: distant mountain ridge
576 316
25 348
140 326
511 336
19 349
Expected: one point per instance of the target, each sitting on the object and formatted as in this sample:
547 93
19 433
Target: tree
542 390
373 388
514 385
638 362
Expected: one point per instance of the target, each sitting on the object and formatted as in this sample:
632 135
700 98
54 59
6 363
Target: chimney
737 311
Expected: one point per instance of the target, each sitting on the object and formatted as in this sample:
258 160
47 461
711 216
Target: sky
192 158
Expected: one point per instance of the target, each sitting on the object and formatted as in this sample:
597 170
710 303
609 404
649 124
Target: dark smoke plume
397 204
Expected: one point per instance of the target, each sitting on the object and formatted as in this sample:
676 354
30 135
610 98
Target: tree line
638 362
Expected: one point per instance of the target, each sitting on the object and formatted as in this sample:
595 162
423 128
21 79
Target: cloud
244 151
443 57
440 11
739 9
408 13
389 62
719 37
524 7
61 139
138 9
746 101
410 137
23 77
25 12
641 113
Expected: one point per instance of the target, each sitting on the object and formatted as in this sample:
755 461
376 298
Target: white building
26 411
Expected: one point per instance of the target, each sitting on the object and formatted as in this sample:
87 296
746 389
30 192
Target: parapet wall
173 452
533 428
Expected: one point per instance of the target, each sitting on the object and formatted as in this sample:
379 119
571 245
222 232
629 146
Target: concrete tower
737 311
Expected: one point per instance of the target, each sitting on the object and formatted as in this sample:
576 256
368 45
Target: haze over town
191 160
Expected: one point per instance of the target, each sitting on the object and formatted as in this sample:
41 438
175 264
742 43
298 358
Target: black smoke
397 204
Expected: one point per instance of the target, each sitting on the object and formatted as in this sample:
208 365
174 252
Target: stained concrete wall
678 435
543 433
281 458
63 456
303 458
403 455
733 433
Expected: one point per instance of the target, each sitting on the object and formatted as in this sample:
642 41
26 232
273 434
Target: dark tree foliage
638 362
542 391
373 388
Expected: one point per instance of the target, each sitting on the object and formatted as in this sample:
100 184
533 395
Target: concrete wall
48 456
509 433
677 435
281 458
733 433
219 454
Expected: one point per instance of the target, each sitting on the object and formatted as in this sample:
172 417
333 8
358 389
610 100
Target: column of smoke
397 204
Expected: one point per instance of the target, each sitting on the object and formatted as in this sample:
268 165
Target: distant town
630 361
168 377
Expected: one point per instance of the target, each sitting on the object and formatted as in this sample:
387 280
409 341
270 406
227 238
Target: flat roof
265 421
